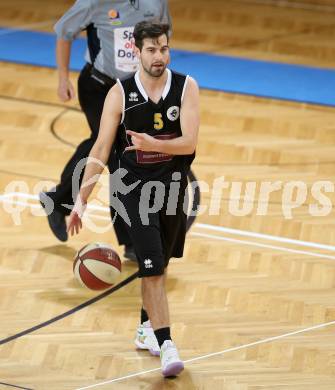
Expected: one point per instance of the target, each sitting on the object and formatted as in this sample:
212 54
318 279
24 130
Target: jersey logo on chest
173 113
133 97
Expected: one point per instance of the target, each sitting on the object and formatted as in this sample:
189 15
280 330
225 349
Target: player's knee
153 281
151 263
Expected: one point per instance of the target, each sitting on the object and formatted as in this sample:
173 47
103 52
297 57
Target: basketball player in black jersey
152 119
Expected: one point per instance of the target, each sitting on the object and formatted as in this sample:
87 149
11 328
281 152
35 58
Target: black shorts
159 236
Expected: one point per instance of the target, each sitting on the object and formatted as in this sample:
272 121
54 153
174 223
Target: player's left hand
141 141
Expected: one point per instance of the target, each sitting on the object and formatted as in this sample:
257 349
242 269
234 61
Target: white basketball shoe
146 339
171 363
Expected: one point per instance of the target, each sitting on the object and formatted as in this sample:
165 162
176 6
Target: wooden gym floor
248 312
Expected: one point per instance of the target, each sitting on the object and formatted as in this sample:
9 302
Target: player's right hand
65 90
74 222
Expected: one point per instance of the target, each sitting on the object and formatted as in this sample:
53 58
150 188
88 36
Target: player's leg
151 261
172 233
145 337
156 303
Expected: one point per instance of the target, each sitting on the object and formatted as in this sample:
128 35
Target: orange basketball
97 266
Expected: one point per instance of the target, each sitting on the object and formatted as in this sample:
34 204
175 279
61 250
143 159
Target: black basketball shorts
162 237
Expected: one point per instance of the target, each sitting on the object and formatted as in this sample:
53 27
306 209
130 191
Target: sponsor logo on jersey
173 113
125 57
133 97
114 16
155 157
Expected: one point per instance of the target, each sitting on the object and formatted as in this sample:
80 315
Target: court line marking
267 246
16 387
209 355
5 198
265 236
75 309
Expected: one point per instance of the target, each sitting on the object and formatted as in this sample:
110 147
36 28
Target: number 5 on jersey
158 121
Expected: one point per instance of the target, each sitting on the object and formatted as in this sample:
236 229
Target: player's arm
99 154
65 89
189 121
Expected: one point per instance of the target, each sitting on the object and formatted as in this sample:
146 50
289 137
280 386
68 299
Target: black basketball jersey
161 120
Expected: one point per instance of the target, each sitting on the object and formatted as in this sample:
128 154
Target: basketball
97 266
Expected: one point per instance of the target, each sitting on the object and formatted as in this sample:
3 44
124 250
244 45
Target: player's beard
155 71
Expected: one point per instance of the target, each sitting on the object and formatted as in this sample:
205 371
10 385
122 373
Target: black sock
162 334
144 316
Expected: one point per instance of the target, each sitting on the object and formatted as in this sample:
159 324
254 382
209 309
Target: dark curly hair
152 30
